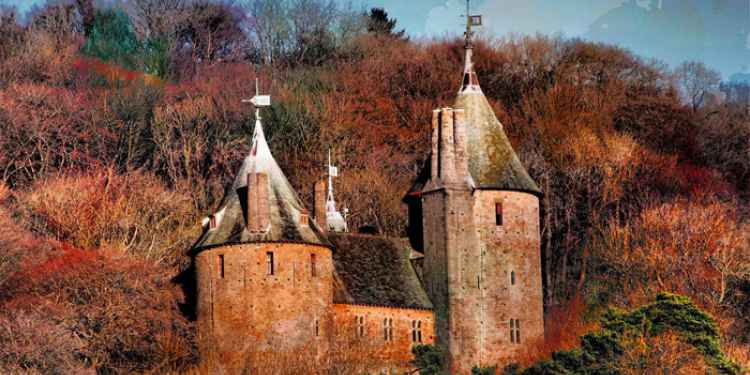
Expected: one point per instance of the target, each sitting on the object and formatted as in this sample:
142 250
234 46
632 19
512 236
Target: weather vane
258 100
471 20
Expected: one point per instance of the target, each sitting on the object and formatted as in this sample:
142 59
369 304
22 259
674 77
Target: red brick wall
377 353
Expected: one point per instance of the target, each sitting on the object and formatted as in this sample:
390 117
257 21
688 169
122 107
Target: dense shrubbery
661 337
640 189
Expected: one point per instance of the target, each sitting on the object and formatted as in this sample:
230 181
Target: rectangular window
360 321
515 331
419 331
388 329
313 266
385 329
221 266
269 262
512 278
416 331
498 214
518 332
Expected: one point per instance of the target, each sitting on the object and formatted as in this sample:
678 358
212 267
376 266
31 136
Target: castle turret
478 225
264 271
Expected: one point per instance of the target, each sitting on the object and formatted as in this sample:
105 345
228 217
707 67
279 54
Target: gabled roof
493 164
374 270
285 206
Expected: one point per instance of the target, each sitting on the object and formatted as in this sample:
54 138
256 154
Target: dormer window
212 222
304 219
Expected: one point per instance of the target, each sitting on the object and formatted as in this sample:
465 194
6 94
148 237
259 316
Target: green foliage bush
601 352
484 370
430 360
113 39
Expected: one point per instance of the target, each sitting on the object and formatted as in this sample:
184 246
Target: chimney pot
319 205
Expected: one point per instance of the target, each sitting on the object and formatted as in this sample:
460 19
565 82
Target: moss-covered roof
285 206
374 270
493 164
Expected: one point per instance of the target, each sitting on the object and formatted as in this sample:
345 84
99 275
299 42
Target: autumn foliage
106 170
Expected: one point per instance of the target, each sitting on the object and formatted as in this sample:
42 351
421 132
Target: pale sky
714 31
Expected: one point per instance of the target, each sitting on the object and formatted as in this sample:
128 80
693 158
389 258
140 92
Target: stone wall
362 331
483 277
511 274
243 310
451 268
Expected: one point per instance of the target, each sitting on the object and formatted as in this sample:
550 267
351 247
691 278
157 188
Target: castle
273 279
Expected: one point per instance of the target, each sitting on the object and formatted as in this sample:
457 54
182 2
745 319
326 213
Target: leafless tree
695 79
156 17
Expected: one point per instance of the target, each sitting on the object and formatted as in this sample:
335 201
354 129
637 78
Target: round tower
264 274
477 221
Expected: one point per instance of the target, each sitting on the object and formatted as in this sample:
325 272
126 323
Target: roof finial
470 82
336 221
467 34
258 100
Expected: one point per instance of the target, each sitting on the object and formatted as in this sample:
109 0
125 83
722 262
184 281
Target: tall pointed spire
261 205
491 160
470 83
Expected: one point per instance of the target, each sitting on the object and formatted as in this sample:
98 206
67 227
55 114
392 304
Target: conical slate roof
493 164
285 206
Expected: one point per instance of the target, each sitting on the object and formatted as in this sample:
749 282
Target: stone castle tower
474 212
264 270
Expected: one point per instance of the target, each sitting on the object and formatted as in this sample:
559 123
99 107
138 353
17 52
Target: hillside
121 128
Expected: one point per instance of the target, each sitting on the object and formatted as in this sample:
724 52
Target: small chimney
258 213
459 135
447 157
319 205
434 166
